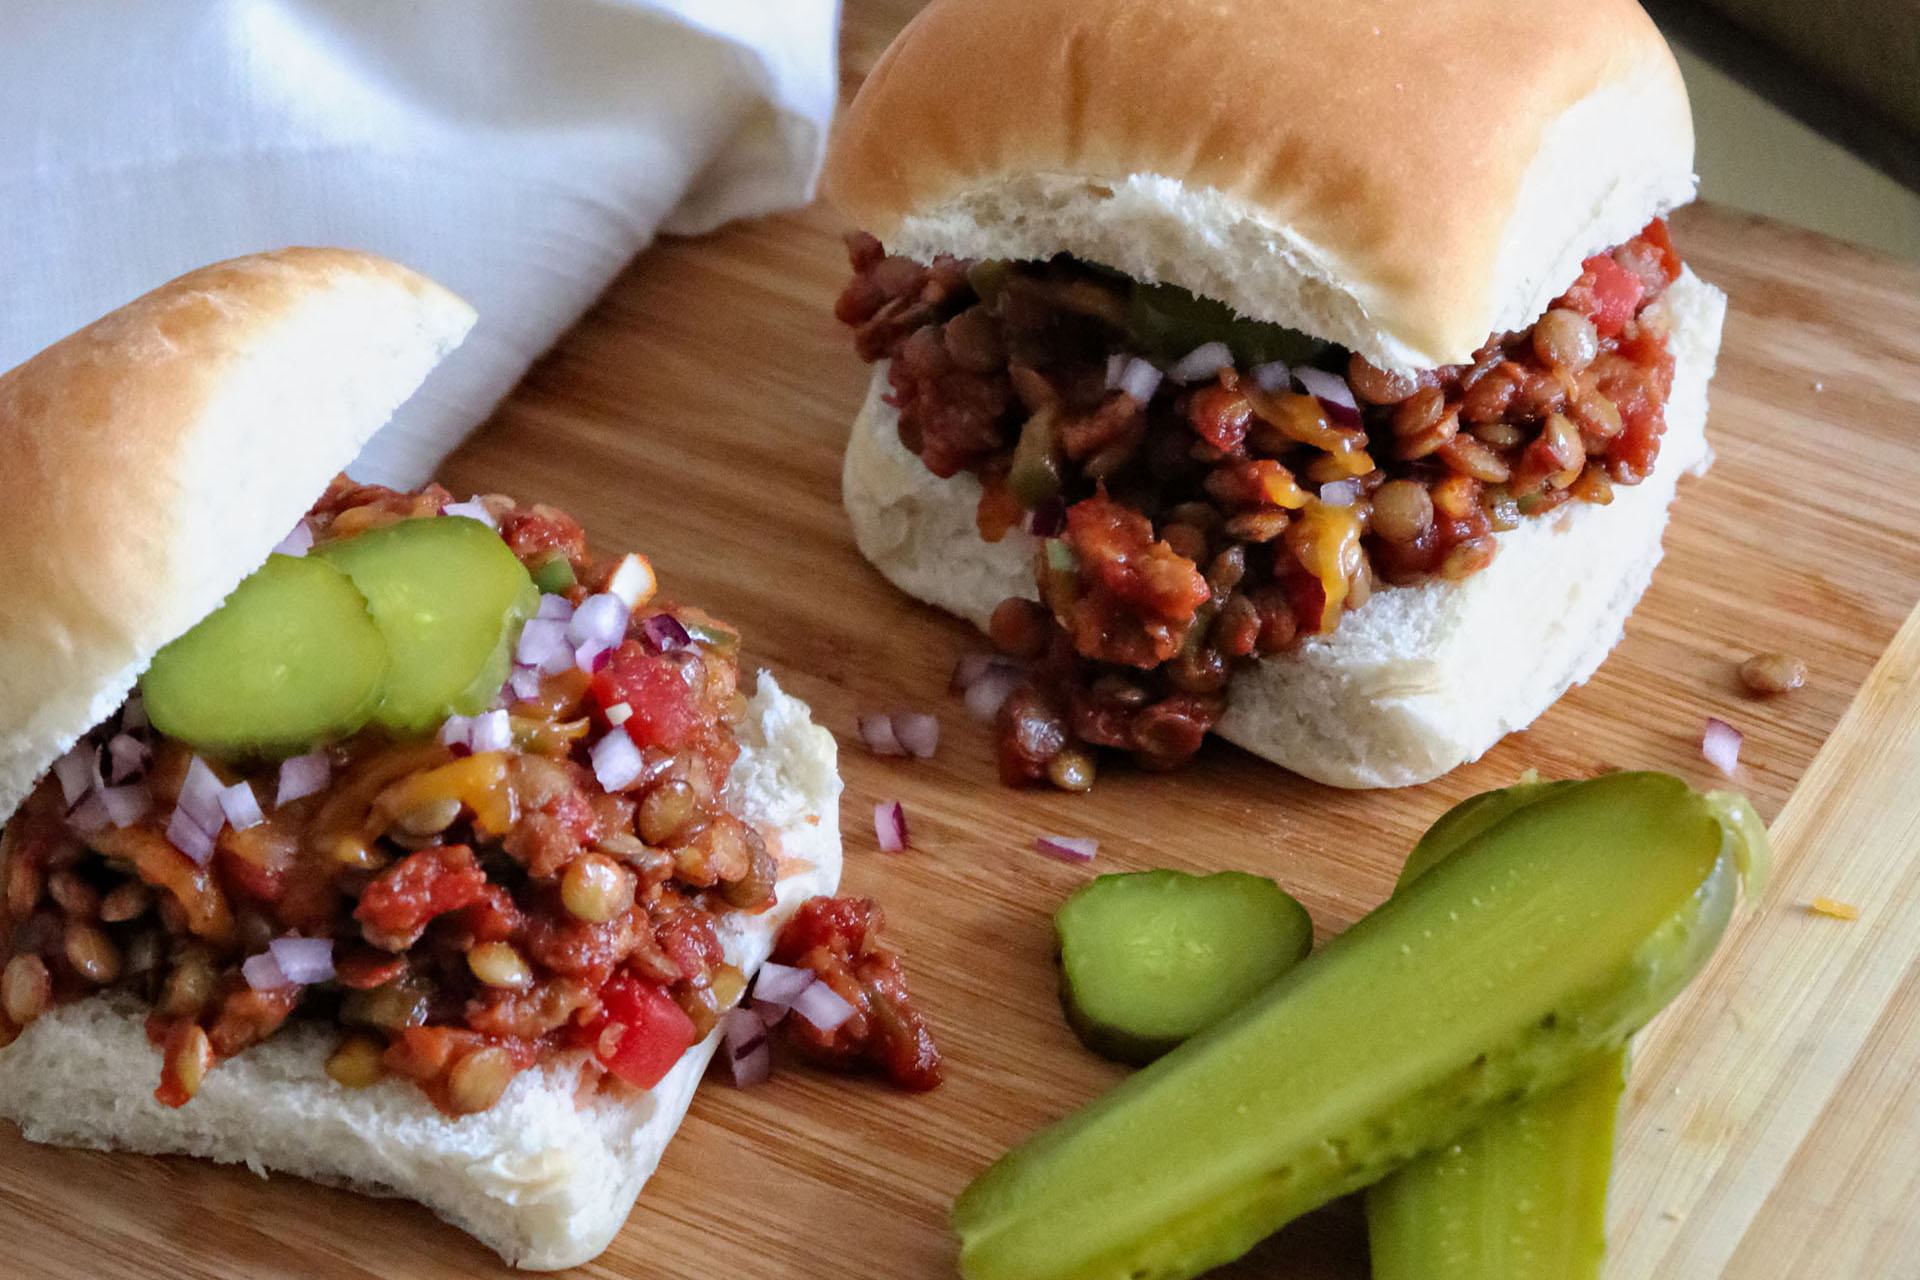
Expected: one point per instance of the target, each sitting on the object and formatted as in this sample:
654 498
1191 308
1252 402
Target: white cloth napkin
518 151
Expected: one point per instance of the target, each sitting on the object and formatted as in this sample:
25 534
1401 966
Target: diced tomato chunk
642 1032
1607 292
663 712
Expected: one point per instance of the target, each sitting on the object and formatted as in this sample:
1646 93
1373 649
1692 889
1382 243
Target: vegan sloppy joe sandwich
1315 375
422 851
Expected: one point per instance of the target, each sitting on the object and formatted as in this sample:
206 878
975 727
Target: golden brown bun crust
154 458
1387 149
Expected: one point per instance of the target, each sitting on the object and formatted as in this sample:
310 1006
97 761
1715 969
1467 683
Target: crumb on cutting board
1833 908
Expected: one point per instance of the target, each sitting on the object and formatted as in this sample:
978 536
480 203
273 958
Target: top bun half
153 460
1402 177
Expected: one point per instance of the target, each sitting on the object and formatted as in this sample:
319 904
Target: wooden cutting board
698 414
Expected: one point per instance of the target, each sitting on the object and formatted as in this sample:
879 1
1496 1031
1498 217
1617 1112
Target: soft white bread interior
547 1176
1402 177
154 458
1417 680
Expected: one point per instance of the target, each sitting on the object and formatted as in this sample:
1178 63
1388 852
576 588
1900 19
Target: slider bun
155 457
1401 177
545 1177
1416 681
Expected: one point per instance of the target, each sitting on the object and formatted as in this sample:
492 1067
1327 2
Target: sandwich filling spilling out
445 782
1207 489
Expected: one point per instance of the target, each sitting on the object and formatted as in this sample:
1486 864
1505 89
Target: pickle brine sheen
1512 967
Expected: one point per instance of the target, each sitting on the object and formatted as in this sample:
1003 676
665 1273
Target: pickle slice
291 657
1149 958
1505 971
1523 1197
449 597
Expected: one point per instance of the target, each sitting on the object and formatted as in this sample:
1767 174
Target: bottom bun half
547 1176
1418 680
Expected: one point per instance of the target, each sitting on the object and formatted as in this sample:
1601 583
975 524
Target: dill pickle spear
291 657
1524 1196
449 597
1505 971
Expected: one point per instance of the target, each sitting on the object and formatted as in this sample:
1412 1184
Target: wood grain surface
698 413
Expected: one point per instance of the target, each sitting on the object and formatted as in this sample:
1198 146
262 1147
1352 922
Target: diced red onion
1203 361
525 683
457 731
263 973
616 761
133 716
985 696
1720 744
592 655
1116 365
240 806
918 733
200 797
664 634
1273 377
1340 493
876 730
76 771
90 815
749 1055
971 667
189 837
619 713
555 607
298 542
127 757
632 581
770 1014
603 617
824 1007
1139 380
1333 393
1047 519
1068 848
890 826
303 961
302 776
126 805
491 731
543 644
779 984
472 509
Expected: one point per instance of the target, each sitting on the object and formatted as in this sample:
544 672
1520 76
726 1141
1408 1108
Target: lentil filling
1208 490
486 909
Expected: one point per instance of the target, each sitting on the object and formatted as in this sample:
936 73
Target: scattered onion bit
1203 361
890 825
749 1055
918 732
619 713
302 776
1833 909
1067 848
303 961
472 509
263 973
239 807
298 542
824 1007
632 581
985 696
777 984
664 633
616 761
1720 744
876 730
